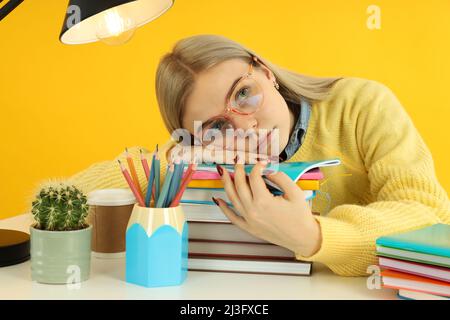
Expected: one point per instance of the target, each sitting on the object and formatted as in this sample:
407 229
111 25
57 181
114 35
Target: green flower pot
60 257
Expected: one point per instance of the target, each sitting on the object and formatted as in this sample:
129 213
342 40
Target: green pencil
151 179
157 175
175 184
166 187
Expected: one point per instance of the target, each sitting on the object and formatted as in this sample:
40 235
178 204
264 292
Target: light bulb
115 28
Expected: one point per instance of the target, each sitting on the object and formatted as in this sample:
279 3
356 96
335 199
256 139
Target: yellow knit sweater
386 183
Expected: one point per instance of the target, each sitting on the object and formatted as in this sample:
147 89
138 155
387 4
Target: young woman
385 184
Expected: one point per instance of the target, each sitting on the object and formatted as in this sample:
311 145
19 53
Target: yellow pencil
133 172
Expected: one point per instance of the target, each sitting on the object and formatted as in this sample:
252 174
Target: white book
200 212
262 250
204 196
240 265
424 270
206 213
415 256
441 289
220 231
416 295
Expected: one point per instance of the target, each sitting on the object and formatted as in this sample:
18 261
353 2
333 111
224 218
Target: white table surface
107 282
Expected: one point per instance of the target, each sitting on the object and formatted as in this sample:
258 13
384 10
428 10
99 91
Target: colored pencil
133 173
187 178
145 165
175 184
176 181
157 176
166 187
132 185
148 197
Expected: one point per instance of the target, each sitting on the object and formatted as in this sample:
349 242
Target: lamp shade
83 17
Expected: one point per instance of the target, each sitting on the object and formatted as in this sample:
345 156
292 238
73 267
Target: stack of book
215 244
417 263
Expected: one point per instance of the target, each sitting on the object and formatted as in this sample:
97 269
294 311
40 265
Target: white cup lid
111 197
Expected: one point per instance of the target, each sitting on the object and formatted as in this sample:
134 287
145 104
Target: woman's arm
402 177
107 174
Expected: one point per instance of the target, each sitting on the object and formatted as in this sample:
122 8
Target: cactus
60 207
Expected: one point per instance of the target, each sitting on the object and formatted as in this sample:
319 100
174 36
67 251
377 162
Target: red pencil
131 184
189 173
145 164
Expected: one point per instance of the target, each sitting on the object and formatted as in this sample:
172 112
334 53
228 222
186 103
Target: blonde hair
175 76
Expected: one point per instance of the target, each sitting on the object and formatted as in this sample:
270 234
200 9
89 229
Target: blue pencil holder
156 247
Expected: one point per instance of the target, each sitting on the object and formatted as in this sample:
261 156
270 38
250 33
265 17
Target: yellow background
66 107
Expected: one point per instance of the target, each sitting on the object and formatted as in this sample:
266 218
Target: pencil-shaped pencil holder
156 247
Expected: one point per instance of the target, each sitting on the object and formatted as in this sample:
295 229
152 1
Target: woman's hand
283 220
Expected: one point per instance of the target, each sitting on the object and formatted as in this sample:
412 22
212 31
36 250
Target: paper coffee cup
109 212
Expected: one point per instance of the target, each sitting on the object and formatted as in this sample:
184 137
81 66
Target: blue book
427 245
293 170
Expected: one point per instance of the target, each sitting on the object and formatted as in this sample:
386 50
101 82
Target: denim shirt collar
298 134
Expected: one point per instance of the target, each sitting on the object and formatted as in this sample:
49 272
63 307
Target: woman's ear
270 76
268 73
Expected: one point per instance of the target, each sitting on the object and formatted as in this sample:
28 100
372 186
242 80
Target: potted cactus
60 236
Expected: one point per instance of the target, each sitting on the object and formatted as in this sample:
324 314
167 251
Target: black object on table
14 247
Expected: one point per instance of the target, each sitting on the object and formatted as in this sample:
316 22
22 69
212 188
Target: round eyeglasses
244 98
